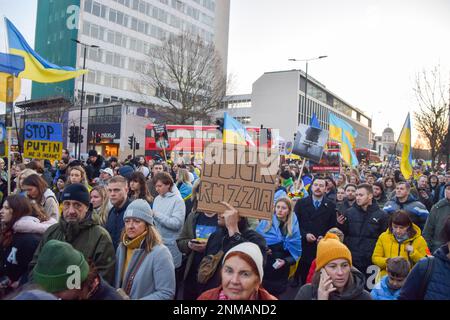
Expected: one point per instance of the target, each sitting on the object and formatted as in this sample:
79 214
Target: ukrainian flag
405 140
344 133
10 66
234 132
37 68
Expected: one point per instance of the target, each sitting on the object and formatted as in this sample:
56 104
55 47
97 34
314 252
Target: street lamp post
306 71
85 46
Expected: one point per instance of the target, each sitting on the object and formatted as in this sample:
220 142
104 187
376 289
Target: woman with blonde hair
144 265
283 238
100 204
77 174
25 173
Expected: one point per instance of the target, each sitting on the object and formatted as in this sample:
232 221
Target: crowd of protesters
131 230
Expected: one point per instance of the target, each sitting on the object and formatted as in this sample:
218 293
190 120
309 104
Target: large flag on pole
37 68
315 122
10 66
405 140
343 132
234 132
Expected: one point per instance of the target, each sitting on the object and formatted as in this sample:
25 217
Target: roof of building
388 130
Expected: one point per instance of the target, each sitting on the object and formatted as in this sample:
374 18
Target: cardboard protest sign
310 142
240 175
43 140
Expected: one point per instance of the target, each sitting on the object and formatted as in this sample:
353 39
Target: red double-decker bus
188 139
367 155
331 159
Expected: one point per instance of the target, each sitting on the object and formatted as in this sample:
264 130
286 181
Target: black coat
316 222
15 258
276 280
94 167
361 230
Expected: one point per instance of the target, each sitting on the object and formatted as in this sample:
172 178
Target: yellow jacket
388 247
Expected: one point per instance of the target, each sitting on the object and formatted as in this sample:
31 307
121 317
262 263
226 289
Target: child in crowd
388 288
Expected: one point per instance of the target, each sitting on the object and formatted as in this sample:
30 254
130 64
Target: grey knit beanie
139 209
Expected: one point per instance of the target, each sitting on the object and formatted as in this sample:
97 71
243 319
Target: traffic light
81 138
130 141
98 138
72 134
74 131
137 145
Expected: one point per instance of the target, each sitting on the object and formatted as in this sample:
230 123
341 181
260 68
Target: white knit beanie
253 251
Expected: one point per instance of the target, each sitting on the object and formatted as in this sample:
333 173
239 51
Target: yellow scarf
131 245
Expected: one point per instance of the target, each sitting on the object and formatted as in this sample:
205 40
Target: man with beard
350 198
316 214
378 194
77 227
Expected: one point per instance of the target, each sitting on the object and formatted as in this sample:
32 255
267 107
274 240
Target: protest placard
310 142
242 176
43 140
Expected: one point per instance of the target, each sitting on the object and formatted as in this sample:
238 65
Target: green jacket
435 223
87 237
187 234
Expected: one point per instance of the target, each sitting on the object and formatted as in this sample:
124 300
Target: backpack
427 276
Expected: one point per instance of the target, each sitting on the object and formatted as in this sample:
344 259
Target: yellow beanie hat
329 249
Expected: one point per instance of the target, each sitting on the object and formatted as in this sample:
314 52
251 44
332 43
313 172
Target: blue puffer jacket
381 291
417 210
439 285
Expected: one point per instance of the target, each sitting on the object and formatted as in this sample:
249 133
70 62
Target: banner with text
43 140
242 176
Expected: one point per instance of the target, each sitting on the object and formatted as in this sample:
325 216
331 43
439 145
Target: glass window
88 5
109 111
112 15
96 9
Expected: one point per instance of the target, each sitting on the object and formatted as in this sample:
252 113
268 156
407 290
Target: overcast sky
375 47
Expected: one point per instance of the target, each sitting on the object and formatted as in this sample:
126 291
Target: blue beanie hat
126 171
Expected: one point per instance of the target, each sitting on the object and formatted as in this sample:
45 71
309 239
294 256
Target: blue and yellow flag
234 132
315 122
405 140
10 66
343 132
37 68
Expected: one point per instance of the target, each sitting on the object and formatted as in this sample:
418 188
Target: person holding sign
233 230
283 237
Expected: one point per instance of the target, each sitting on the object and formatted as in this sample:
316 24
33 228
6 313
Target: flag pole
396 144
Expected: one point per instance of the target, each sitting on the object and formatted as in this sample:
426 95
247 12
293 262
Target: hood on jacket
417 235
351 292
29 223
48 194
73 229
442 203
410 199
442 254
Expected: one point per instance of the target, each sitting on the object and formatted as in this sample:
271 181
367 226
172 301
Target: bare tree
432 117
187 75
